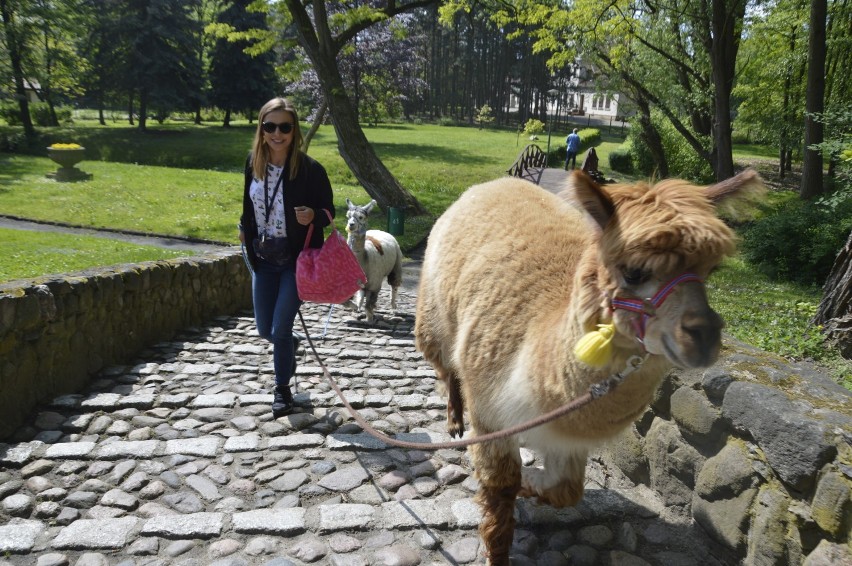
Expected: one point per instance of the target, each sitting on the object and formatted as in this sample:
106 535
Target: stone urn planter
68 156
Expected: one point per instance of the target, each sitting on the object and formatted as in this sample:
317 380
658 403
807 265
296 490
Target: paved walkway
553 179
174 459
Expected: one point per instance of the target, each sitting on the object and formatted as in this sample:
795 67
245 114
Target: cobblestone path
174 459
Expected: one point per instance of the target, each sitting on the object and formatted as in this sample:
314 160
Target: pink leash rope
596 391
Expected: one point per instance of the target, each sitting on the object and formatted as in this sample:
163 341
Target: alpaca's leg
447 379
395 280
559 482
370 304
498 468
455 402
394 289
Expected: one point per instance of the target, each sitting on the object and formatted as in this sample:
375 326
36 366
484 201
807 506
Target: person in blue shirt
573 143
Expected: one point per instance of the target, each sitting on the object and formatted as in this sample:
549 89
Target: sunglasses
285 127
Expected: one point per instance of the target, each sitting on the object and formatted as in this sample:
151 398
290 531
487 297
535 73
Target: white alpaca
379 255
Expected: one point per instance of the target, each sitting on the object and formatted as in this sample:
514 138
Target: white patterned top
276 227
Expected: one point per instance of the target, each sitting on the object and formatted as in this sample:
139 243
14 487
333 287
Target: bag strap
311 228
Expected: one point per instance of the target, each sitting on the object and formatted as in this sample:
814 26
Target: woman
285 191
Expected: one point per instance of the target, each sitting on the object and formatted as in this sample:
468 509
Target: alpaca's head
656 246
357 217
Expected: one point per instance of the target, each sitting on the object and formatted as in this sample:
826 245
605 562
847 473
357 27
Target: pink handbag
330 274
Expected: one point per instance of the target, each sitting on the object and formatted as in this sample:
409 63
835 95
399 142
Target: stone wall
56 331
757 451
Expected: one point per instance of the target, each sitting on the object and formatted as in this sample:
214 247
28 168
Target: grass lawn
25 254
186 180
183 179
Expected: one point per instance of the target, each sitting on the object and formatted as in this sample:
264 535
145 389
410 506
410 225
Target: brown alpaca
514 276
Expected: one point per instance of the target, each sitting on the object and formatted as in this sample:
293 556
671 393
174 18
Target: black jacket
310 188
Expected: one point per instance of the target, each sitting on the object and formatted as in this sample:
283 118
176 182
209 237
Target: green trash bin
396 221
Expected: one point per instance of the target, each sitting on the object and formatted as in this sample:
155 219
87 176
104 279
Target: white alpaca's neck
356 244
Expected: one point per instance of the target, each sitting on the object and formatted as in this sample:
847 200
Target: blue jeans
571 156
276 302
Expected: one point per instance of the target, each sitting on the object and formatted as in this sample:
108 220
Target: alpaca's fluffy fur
379 255
512 278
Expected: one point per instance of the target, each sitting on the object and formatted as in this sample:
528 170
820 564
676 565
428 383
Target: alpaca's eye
635 276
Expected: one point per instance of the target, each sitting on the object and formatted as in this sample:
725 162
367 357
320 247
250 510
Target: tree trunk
13 48
322 49
143 110
101 119
651 137
358 154
812 186
54 119
726 25
319 117
835 309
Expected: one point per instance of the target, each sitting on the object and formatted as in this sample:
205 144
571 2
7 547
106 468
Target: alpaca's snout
700 337
704 328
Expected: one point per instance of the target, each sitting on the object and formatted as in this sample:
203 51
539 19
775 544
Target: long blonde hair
260 151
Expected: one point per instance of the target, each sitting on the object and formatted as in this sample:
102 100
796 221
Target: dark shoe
282 401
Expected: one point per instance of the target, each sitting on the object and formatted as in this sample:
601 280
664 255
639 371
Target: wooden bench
530 164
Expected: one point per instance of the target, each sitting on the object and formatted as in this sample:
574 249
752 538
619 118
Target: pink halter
648 307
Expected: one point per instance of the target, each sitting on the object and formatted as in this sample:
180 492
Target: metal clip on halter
601 388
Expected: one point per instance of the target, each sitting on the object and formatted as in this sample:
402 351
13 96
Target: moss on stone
831 506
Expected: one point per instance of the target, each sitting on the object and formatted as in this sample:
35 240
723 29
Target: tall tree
162 66
15 47
105 52
771 84
323 39
687 46
56 63
812 185
240 81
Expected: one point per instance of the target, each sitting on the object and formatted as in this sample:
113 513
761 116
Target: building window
600 102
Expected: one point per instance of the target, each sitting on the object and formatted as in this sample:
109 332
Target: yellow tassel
595 348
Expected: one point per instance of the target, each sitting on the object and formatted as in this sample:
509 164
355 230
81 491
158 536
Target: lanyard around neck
266 199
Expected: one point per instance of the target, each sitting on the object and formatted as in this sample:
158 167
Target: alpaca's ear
370 206
736 197
582 192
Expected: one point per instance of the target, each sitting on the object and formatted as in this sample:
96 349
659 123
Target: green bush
682 159
589 137
533 127
12 140
799 240
40 112
556 155
620 159
10 112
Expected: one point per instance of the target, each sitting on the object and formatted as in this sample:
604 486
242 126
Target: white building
581 97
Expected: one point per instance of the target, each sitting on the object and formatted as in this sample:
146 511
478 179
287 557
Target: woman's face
277 141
